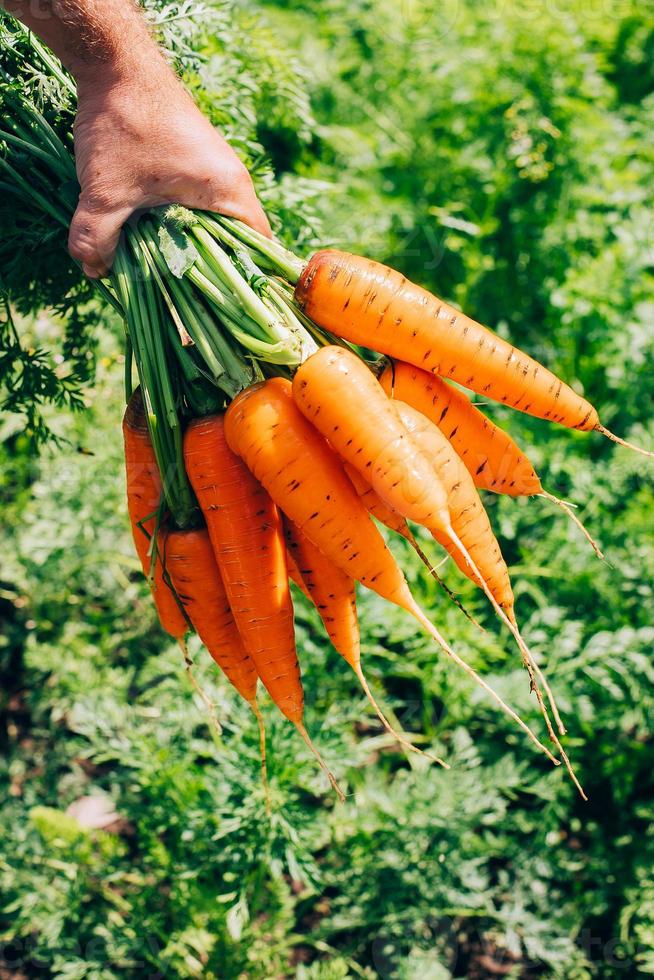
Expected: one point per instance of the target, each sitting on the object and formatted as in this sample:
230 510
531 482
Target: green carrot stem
129 357
251 303
227 368
32 148
284 262
34 195
213 290
144 317
184 336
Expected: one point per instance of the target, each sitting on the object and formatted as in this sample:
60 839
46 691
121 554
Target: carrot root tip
405 742
321 762
568 509
623 442
432 570
214 724
417 612
262 752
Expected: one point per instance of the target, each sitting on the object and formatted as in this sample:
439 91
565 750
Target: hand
141 141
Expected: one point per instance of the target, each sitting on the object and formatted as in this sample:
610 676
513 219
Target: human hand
140 141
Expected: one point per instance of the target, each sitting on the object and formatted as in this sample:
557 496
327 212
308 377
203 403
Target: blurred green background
500 154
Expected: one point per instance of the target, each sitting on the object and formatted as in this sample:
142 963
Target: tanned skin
140 140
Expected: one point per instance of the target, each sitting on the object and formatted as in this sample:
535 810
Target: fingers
93 237
239 200
250 212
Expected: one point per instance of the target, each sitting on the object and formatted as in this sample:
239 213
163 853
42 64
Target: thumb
93 237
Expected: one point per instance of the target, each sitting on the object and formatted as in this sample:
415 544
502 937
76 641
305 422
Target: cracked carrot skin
469 518
490 455
247 537
331 591
144 492
195 575
335 390
306 479
370 304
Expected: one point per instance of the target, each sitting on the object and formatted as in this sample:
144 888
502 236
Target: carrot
480 559
341 397
370 304
395 522
467 514
191 564
333 593
433 487
247 537
307 481
295 575
144 494
490 455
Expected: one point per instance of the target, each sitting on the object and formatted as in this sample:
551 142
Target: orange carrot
307 481
191 564
482 559
144 493
333 594
337 392
247 538
376 506
395 522
490 455
295 575
331 591
341 397
370 304
467 514
346 403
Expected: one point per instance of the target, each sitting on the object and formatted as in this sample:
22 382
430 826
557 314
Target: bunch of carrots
293 477
266 440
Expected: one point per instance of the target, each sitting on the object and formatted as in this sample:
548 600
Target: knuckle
81 248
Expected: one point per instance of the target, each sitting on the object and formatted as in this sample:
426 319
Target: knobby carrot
333 594
490 455
247 538
144 494
370 304
307 481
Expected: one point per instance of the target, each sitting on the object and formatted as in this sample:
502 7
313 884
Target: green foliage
501 156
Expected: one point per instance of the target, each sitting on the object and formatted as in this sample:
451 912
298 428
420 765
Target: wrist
126 84
137 65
